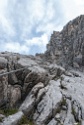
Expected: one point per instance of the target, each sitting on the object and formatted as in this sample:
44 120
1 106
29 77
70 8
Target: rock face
67 47
13 119
3 89
50 103
48 88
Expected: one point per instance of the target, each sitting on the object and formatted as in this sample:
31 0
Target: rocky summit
45 89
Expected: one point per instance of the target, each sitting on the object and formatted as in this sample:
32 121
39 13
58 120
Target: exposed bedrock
67 47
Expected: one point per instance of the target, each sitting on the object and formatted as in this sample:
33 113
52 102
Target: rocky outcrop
67 47
44 89
3 89
46 93
48 106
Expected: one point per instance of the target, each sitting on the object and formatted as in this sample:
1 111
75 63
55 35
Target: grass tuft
25 121
8 112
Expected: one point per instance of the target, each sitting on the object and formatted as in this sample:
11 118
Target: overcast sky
26 25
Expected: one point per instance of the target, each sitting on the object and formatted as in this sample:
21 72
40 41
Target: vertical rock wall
67 47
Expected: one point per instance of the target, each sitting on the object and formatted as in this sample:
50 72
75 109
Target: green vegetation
79 123
8 112
25 120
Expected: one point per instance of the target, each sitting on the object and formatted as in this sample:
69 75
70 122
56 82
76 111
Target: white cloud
27 46
40 41
72 9
5 23
79 2
32 22
16 47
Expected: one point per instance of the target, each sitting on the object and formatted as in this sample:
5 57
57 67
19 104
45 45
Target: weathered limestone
14 95
67 47
49 104
29 103
74 91
3 63
27 62
13 119
3 89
